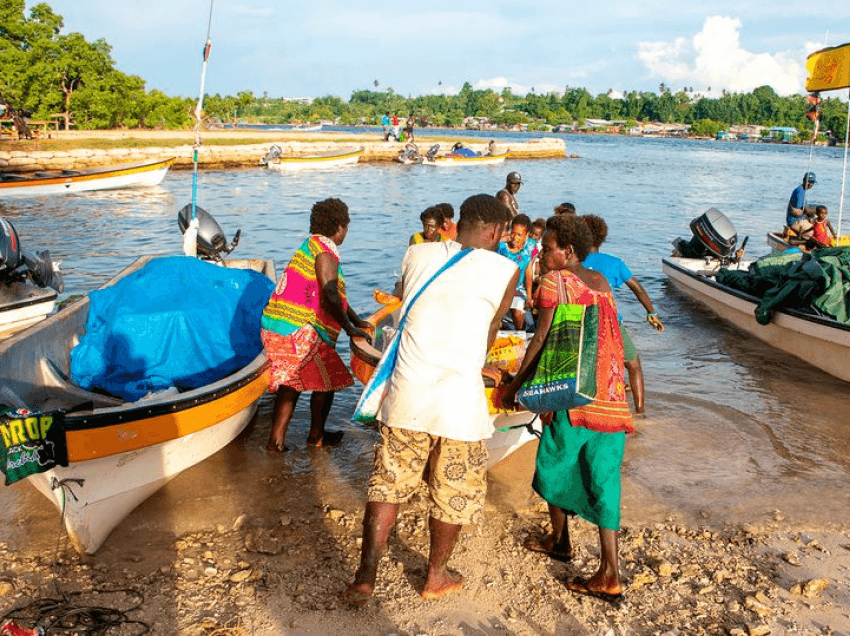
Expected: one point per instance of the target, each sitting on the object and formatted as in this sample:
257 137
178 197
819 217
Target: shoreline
229 149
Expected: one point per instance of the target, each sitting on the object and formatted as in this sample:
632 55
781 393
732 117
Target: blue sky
309 49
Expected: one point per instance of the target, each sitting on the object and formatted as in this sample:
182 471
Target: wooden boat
513 429
128 175
120 453
820 341
778 242
321 161
451 160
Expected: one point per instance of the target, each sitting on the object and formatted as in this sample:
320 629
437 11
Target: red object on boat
13 629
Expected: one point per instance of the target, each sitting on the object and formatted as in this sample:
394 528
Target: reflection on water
734 430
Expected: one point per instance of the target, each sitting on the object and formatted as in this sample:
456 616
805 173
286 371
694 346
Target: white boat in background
128 175
817 340
307 128
275 160
512 429
450 160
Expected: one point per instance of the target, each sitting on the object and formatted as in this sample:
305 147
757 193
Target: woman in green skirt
581 450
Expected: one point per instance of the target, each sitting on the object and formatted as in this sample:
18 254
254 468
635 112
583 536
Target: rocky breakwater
212 155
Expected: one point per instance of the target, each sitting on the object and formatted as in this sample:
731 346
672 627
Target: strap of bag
453 260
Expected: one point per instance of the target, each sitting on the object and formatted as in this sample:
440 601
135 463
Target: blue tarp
176 322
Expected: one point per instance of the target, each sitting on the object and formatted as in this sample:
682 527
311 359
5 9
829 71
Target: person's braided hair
598 228
571 231
327 216
483 209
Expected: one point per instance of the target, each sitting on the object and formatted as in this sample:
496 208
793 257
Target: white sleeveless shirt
436 386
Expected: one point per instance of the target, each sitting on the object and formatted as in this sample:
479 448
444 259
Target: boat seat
64 394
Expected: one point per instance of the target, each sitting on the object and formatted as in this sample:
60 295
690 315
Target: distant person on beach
518 250
799 214
491 148
408 129
507 195
300 326
432 219
385 123
448 229
823 234
565 208
435 413
616 273
395 126
581 450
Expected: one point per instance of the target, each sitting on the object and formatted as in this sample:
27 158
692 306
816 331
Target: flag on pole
829 69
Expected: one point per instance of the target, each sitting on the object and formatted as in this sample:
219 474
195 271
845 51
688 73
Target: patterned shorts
457 481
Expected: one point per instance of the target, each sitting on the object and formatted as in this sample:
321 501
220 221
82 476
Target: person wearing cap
799 215
507 194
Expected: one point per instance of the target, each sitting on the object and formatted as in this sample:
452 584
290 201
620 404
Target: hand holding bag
565 376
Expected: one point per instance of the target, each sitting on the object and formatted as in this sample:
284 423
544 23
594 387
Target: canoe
512 429
320 161
127 175
457 160
120 453
817 340
777 242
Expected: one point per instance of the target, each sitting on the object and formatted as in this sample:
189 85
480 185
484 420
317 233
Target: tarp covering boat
177 322
816 283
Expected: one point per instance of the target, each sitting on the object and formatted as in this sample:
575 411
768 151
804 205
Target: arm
502 310
529 303
640 293
326 276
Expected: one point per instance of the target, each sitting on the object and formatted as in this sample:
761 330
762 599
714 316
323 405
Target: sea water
734 430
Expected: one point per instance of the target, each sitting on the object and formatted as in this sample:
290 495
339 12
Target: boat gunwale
50 295
754 300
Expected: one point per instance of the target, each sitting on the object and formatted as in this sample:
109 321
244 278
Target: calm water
734 430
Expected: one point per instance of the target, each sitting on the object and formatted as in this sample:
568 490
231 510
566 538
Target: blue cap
810 177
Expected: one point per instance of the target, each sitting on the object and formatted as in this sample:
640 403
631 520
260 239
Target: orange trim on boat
121 438
75 178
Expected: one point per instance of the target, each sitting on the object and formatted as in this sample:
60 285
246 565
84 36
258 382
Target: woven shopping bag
565 376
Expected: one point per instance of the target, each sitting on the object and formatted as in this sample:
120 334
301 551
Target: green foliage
707 127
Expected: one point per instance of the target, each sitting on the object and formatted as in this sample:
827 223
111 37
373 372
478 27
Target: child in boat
822 232
432 219
518 249
448 229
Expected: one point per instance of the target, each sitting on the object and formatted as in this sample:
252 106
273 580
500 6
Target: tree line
48 74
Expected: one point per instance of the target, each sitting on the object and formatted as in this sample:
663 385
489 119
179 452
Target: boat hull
821 342
134 175
315 162
450 162
121 452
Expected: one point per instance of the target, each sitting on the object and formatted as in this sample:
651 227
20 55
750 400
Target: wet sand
253 543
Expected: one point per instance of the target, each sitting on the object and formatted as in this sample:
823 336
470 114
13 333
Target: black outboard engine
212 242
713 235
18 264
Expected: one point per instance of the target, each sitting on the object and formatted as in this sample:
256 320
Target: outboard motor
212 242
409 153
18 264
273 153
713 235
432 152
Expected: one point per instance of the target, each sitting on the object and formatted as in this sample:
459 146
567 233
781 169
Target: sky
334 47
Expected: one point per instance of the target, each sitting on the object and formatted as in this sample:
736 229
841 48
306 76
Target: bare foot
329 438
357 594
276 447
438 587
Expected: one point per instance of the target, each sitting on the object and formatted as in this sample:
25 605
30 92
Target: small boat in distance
127 175
275 160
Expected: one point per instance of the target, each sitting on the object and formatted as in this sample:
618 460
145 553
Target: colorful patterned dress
298 334
580 454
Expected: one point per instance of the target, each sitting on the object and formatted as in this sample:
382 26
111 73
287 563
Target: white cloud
714 57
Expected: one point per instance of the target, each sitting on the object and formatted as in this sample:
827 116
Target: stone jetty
240 149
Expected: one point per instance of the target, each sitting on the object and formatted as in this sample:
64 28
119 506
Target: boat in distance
450 161
817 340
120 452
512 429
275 160
127 175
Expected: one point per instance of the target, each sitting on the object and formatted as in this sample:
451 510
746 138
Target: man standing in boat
435 412
799 215
507 195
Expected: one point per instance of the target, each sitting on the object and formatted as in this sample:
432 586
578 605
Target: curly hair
448 210
434 212
565 208
598 228
521 219
327 216
483 209
570 230
539 224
